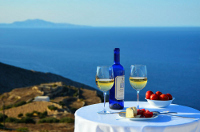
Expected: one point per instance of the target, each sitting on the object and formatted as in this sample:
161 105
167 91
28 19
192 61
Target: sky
111 13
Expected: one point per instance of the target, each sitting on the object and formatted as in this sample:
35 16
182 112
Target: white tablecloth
88 120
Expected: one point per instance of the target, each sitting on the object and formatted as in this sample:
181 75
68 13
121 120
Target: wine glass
104 81
138 78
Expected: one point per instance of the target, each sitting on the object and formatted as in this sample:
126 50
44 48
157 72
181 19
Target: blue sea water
172 56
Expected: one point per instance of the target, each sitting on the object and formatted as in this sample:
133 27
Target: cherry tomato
139 112
147 110
158 93
169 95
154 97
143 110
148 114
148 94
164 97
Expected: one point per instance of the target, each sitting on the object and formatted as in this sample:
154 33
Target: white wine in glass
138 83
138 78
104 81
104 84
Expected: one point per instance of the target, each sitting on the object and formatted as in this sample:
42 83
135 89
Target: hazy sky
104 12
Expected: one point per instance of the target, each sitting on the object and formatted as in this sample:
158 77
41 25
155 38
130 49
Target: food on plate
144 113
169 95
158 96
140 112
164 97
148 114
148 94
131 112
154 97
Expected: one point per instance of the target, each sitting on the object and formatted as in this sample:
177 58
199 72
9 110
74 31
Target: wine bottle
116 95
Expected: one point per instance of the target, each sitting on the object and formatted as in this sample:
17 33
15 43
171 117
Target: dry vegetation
39 106
66 98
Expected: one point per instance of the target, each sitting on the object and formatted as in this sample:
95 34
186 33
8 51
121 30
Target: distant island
38 23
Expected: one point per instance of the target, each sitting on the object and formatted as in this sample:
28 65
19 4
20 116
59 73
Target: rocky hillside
14 77
19 87
22 108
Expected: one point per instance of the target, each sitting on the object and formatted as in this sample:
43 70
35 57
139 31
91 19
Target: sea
171 54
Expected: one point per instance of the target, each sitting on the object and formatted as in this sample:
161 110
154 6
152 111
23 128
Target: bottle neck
116 57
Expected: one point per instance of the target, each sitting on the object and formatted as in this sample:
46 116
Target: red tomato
158 93
154 97
148 94
148 114
169 95
164 97
143 110
139 112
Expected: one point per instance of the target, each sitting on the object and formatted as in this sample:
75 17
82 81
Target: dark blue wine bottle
116 95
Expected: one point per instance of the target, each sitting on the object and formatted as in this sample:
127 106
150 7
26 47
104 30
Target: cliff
14 77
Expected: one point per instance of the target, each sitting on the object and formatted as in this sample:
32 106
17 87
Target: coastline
12 77
20 87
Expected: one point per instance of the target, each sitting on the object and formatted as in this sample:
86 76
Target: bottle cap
116 50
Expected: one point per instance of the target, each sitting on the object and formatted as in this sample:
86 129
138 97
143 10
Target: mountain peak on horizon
28 20
38 23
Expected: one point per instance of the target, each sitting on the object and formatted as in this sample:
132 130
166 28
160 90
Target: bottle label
119 87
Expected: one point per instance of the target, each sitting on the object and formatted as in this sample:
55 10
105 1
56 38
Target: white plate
123 114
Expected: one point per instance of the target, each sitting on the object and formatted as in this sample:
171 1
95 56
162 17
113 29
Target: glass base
138 107
104 112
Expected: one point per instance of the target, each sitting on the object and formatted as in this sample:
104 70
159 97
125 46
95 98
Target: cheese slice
131 112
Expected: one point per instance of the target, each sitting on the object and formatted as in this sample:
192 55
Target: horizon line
89 26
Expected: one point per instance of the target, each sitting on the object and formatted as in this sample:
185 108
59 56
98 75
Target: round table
88 120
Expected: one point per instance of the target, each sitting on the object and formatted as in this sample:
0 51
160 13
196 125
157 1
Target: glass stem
104 94
138 99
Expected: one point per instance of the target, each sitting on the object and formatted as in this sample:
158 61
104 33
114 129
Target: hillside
14 77
19 87
66 99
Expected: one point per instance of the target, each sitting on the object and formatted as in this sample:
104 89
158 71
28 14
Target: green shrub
20 115
7 107
19 103
26 120
13 105
45 113
54 85
2 116
66 120
39 114
61 103
29 114
12 120
48 120
1 125
42 115
72 109
22 129
75 94
52 107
